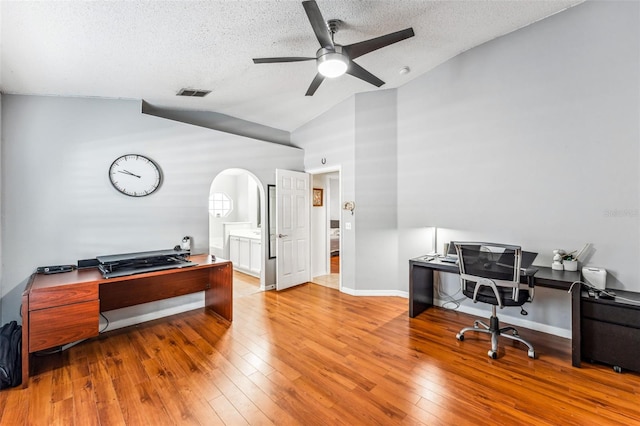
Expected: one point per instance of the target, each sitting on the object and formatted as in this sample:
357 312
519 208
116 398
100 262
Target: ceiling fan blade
362 48
318 23
314 84
357 71
282 59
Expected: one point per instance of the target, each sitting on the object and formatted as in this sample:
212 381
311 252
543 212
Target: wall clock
135 175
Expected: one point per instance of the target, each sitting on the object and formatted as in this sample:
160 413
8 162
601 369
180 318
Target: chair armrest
484 282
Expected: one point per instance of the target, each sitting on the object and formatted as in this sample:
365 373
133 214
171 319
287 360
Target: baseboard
482 313
118 318
125 317
377 293
518 322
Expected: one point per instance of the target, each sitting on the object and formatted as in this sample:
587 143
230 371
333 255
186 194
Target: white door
292 229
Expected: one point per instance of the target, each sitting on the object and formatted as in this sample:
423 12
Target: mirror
271 220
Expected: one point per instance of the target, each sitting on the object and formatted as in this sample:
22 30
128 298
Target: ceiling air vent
193 93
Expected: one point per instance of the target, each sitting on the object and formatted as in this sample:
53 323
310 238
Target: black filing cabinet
610 330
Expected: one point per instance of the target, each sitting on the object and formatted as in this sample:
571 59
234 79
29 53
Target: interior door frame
321 171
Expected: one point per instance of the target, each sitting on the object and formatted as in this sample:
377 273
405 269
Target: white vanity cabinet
234 250
245 252
255 264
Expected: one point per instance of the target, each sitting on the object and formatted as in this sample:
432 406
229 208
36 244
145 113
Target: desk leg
219 294
576 333
25 340
420 289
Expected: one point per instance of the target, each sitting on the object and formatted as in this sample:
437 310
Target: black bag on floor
10 355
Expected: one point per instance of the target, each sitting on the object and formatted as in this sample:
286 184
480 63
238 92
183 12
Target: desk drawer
614 313
611 344
62 324
47 297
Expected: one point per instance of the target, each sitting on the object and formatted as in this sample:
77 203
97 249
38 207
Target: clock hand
127 172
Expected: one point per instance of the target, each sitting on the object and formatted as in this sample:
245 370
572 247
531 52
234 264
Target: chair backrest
487 266
497 262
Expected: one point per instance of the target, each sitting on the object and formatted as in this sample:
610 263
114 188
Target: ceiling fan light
332 65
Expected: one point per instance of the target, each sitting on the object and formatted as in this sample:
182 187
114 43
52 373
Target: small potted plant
570 261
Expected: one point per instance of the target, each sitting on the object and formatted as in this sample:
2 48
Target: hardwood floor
335 264
314 356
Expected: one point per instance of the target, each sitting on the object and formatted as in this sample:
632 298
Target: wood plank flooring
314 356
335 264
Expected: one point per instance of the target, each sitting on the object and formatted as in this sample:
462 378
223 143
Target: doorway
326 227
236 223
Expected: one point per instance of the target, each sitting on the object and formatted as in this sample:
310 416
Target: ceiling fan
333 59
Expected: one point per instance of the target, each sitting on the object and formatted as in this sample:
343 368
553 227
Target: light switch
347 226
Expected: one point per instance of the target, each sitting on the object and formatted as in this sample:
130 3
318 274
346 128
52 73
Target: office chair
490 273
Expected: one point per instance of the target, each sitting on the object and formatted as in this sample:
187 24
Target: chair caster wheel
617 369
460 337
493 355
531 354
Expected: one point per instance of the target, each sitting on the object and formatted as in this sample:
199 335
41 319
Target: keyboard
448 259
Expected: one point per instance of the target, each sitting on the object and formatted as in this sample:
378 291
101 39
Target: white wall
253 199
329 182
58 205
319 230
536 135
226 184
334 197
241 200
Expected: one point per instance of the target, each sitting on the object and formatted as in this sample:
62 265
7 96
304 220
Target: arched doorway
237 227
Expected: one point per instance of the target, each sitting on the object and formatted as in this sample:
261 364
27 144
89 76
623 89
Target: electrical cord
601 291
50 352
107 325
442 295
58 349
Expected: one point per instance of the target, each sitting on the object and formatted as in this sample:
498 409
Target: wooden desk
62 308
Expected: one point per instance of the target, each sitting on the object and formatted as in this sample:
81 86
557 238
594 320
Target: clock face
135 175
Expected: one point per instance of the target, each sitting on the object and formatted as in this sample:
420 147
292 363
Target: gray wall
58 205
536 136
376 190
531 139
221 122
359 135
331 136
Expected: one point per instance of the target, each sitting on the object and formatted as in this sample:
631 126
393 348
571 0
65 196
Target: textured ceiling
151 49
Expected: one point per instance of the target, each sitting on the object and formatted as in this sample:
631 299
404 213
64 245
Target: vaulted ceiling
149 50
